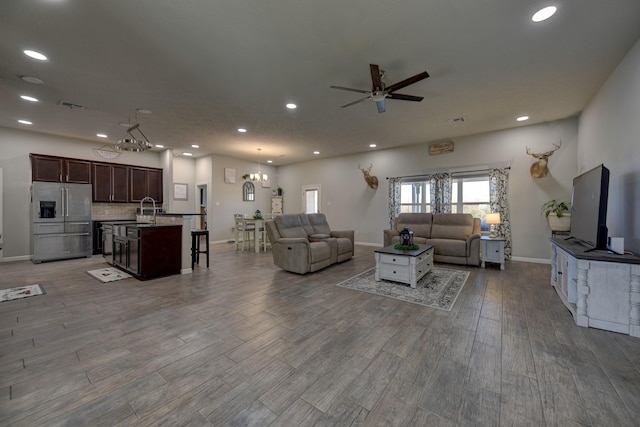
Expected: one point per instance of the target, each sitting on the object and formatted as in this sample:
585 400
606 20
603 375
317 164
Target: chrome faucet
147 198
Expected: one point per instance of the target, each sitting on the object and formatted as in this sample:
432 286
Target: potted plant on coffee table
557 213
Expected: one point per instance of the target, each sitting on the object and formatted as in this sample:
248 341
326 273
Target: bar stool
195 246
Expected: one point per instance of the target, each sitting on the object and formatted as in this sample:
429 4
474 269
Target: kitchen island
147 251
183 219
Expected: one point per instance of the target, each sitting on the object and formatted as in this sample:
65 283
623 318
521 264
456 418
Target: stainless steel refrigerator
61 221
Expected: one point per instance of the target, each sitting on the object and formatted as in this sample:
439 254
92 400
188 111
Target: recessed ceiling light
144 111
101 135
372 145
195 146
544 14
292 106
35 55
522 118
242 130
125 125
29 98
25 122
269 161
32 79
159 146
316 152
186 153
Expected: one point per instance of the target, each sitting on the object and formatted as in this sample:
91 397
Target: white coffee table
403 266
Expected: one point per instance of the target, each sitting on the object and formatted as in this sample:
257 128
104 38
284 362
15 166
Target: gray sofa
455 237
303 243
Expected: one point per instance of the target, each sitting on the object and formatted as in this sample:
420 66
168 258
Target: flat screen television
589 207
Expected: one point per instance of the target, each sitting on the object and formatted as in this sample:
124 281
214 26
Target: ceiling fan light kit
379 91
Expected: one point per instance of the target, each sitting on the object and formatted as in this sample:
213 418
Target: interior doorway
202 200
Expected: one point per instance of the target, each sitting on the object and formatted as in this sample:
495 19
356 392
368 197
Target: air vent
71 105
456 120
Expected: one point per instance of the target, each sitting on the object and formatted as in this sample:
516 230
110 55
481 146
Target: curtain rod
452 173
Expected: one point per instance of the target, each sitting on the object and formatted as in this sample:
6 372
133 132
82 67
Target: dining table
258 227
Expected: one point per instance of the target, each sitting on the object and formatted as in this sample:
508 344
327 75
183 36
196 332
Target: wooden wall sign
441 147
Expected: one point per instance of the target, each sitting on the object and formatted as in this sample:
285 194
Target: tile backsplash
106 211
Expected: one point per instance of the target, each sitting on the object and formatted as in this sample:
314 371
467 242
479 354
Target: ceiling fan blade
356 102
405 97
380 105
375 77
349 89
411 80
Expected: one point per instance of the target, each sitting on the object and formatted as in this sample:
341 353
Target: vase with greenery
279 191
557 213
553 206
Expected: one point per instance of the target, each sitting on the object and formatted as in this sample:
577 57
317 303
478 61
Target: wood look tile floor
244 343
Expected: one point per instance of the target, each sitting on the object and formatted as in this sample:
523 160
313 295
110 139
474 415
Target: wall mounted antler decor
372 181
539 168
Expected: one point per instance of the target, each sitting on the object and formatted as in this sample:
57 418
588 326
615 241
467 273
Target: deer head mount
372 181
539 168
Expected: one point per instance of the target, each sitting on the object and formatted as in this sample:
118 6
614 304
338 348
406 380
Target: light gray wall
350 204
227 198
609 133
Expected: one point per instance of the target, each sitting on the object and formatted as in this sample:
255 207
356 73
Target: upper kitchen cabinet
110 183
145 182
58 169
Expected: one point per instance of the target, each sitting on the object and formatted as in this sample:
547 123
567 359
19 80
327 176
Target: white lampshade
492 218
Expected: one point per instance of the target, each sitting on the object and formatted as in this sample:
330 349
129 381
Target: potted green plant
557 213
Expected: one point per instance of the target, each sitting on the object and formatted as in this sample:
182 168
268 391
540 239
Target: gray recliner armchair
303 243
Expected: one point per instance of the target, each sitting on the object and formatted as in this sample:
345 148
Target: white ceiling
207 67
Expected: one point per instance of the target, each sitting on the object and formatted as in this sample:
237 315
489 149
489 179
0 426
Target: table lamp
492 219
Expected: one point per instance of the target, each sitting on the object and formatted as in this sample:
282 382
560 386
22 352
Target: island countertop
178 214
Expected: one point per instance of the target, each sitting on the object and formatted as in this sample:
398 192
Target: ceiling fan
380 91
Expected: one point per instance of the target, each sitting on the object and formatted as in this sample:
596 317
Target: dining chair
244 233
264 238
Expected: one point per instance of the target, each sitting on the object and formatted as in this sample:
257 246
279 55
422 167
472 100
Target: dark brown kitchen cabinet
148 251
59 169
110 183
145 182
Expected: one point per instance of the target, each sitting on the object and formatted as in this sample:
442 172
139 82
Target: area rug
109 274
21 292
437 289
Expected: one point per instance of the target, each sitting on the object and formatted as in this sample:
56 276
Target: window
470 194
415 196
311 199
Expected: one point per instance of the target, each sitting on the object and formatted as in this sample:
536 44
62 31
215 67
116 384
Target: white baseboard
17 258
217 242
377 245
532 260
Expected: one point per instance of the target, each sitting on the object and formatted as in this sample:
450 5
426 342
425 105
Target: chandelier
133 144
259 176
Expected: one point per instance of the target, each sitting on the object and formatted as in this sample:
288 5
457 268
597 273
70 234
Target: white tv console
600 289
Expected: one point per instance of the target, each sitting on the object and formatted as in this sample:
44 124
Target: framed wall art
180 191
229 176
